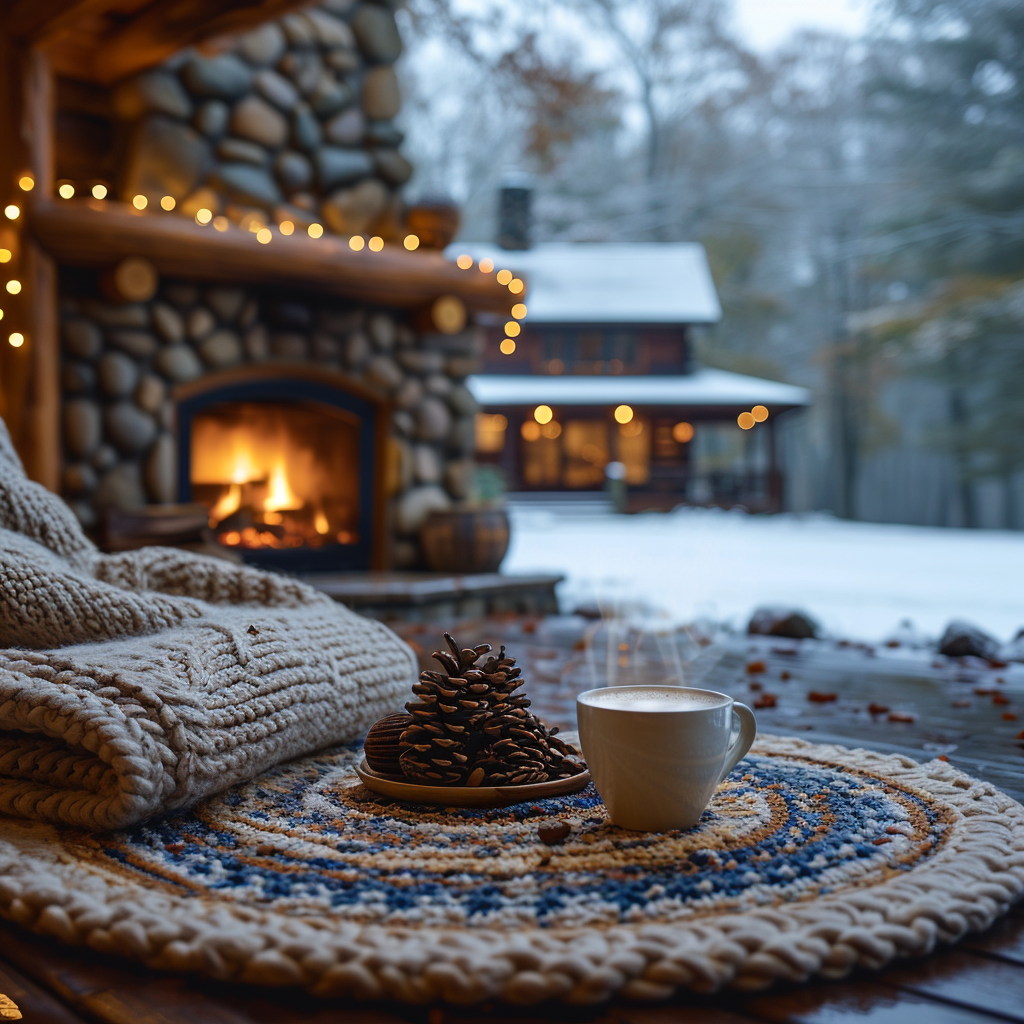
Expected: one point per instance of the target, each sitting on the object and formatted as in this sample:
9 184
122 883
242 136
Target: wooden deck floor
962 710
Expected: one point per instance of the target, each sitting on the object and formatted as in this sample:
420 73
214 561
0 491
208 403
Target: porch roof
704 388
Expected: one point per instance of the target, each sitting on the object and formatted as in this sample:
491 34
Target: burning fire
265 482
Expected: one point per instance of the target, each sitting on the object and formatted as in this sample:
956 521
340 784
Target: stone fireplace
224 301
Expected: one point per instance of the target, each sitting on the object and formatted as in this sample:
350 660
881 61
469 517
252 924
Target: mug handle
743 742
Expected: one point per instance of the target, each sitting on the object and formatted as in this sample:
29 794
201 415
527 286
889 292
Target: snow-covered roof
591 282
702 388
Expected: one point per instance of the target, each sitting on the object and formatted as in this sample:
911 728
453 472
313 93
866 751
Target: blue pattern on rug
307 838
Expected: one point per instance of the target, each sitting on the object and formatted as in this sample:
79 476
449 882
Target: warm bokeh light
264 235
315 230
504 276
5 255
13 287
464 261
141 202
623 414
634 428
551 430
66 191
530 430
543 414
519 311
16 340
99 191
204 216
507 347
286 227
682 432
745 420
1 314
356 242
486 265
12 212
26 183
375 244
221 223
253 222
167 203
760 413
512 329
411 242
515 286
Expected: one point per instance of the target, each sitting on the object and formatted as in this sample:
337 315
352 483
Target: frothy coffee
637 698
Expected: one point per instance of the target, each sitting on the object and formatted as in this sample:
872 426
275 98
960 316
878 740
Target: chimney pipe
514 203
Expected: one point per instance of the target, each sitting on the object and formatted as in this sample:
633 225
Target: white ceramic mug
656 753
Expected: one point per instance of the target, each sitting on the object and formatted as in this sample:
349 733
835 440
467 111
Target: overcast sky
766 23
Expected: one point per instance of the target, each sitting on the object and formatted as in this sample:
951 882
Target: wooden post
29 374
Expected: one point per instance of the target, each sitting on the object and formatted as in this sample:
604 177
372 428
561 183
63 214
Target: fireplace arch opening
287 465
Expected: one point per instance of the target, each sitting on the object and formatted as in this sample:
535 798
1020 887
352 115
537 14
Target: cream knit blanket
132 685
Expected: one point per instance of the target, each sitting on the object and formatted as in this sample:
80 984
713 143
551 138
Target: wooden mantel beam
100 234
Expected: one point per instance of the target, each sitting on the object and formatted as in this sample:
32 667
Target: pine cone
470 728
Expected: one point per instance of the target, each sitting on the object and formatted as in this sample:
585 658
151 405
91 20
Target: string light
99 191
760 413
376 243
464 262
26 183
411 242
5 255
543 414
315 230
252 224
519 311
203 215
486 265
504 276
507 347
141 202
66 191
623 414
515 286
682 432
512 329
356 242
1 314
264 235
13 287
221 223
286 227
745 420
12 212
16 339
167 203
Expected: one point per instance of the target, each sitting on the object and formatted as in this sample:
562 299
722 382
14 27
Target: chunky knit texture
131 684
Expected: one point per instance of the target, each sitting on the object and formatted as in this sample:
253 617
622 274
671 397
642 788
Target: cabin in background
597 379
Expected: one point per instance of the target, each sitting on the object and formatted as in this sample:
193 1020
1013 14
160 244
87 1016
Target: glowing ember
276 475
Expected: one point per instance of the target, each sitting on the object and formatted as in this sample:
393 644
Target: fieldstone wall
121 363
294 121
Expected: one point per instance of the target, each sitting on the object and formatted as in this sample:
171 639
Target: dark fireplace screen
287 480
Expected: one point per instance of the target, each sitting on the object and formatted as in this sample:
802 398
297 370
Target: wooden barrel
465 540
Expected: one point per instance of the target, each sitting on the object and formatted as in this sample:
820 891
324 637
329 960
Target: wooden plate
466 796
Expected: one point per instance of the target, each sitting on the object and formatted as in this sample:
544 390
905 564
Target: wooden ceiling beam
87 233
41 21
106 40
167 26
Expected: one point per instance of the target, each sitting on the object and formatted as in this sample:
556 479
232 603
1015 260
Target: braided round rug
810 860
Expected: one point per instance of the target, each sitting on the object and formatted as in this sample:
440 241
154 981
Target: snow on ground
859 579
